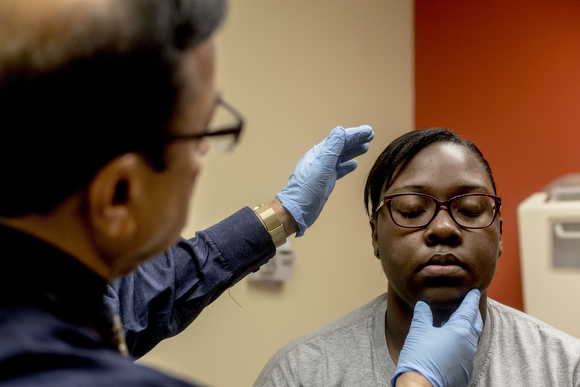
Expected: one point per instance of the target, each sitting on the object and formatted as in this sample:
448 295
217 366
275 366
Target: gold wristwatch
272 223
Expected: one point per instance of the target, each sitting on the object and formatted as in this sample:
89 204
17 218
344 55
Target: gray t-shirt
514 350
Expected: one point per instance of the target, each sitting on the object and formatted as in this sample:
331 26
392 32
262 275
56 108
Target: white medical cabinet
549 236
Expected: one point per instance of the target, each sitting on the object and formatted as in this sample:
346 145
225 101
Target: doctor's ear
111 195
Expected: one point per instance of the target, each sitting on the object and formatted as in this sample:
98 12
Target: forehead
198 69
443 169
198 95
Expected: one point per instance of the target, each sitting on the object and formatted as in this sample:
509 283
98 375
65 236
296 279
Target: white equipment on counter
549 236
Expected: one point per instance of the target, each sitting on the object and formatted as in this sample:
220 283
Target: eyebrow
467 188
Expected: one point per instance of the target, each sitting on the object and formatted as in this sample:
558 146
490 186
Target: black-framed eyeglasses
223 131
414 210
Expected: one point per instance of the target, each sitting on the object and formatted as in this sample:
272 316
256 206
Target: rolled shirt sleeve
165 294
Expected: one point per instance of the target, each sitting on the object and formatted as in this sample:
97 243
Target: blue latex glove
445 356
315 175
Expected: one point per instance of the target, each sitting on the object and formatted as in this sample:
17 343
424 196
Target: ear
374 236
110 196
500 237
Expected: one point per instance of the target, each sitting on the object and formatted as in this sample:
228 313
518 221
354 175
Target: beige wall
296 69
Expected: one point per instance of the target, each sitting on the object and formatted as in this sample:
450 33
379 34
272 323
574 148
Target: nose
443 229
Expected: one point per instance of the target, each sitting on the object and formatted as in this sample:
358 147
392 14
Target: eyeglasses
223 130
471 211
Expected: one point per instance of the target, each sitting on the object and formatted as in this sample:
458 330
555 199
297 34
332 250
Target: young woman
436 227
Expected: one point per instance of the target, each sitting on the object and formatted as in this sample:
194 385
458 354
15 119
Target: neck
65 229
399 317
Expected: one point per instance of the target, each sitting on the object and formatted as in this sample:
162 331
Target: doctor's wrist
287 220
277 220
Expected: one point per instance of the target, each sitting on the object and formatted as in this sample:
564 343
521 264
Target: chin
444 297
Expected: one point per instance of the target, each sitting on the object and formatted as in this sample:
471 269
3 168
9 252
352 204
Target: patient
436 227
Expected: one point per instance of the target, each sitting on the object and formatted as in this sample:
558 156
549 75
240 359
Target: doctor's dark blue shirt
56 316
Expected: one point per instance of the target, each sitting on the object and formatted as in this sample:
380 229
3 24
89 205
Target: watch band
272 223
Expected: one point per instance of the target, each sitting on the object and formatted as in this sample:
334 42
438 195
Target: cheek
196 162
191 170
400 258
486 257
185 169
397 248
191 161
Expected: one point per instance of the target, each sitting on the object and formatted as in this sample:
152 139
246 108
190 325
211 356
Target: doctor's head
105 106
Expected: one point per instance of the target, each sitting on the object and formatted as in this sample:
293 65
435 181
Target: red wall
505 75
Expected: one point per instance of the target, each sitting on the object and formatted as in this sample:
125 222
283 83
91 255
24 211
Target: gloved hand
445 356
315 175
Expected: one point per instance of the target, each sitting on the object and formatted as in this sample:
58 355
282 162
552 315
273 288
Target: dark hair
400 152
104 83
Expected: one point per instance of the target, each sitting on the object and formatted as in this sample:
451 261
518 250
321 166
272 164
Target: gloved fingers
422 315
358 136
354 152
341 139
469 310
334 144
345 168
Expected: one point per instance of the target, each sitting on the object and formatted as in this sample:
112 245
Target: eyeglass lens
418 211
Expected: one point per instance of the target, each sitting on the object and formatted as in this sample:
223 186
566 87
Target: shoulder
516 349
521 330
336 333
508 316
331 345
64 370
40 349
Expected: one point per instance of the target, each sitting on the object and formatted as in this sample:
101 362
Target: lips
443 265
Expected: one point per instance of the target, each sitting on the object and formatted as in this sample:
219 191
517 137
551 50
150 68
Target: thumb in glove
445 356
